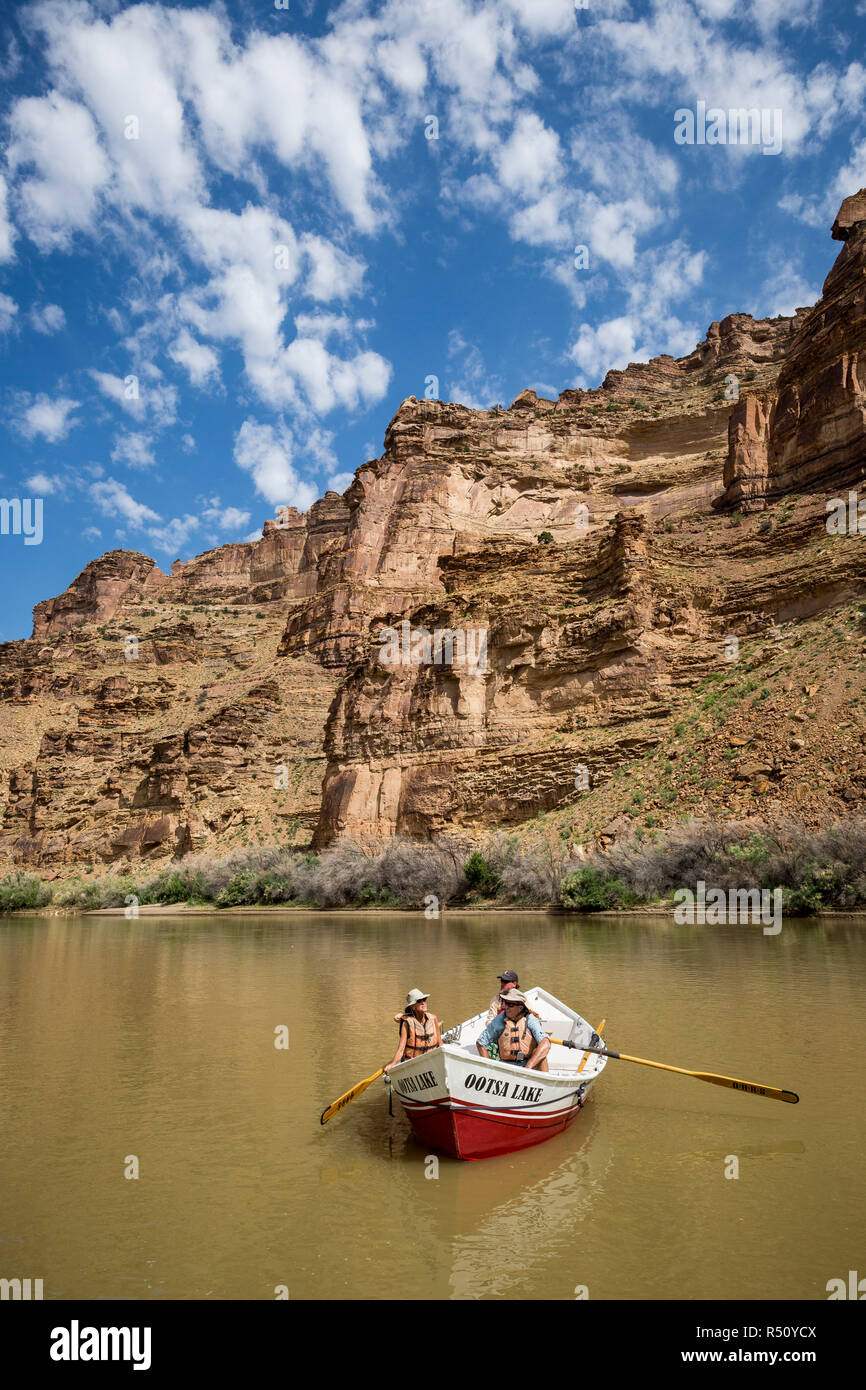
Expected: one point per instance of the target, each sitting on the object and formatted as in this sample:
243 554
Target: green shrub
545 538
239 891
19 890
371 894
801 902
480 876
174 886
589 890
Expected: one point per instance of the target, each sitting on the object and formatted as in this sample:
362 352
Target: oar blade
347 1099
768 1092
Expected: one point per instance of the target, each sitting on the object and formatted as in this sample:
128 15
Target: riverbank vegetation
816 870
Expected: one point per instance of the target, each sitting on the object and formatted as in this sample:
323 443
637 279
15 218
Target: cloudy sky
233 237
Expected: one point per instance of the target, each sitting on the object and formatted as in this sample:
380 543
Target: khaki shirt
495 1006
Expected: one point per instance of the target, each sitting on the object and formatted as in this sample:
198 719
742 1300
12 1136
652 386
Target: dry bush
528 876
820 868
411 871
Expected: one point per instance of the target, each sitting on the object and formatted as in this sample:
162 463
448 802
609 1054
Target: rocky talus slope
668 626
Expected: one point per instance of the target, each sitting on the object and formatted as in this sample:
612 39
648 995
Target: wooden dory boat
473 1107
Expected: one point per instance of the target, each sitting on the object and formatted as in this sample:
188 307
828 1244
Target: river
150 1045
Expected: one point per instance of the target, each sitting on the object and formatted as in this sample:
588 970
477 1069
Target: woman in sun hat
419 1029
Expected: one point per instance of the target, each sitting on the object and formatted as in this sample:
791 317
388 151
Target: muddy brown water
154 1041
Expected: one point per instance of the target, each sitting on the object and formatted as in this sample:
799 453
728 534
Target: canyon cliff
638 558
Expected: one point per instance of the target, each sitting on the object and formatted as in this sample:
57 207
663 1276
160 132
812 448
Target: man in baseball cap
507 980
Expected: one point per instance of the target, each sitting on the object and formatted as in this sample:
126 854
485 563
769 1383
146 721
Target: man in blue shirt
518 1034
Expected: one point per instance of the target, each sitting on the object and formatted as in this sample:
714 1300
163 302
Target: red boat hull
472 1132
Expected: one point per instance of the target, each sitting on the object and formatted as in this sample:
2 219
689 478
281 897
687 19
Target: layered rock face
503 616
98 592
809 430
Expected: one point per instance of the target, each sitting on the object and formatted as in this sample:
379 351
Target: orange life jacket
516 1039
422 1036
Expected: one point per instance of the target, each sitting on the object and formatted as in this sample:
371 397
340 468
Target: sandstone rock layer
612 546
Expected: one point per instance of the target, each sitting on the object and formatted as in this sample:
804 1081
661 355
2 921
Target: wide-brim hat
414 997
514 996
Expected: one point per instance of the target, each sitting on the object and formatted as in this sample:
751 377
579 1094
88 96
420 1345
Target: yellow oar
598 1032
769 1092
351 1095
347 1099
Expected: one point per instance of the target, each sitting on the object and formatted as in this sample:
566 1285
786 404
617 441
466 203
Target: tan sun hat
414 997
514 996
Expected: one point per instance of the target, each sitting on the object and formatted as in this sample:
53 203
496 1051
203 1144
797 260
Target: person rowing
419 1030
517 1034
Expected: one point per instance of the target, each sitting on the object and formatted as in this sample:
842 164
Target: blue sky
229 247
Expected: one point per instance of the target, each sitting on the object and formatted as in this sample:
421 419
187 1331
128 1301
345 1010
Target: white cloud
530 158
305 373
47 318
133 449
254 259
41 417
573 281
7 231
785 291
91 533
224 518
323 326
199 360
47 483
331 273
155 401
809 210
266 452
613 228
677 52
240 100
611 344
174 535
544 17
648 328
126 72
340 481
112 499
8 310
57 139
469 382
850 178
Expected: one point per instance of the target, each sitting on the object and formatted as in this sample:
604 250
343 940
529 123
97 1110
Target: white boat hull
475 1107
